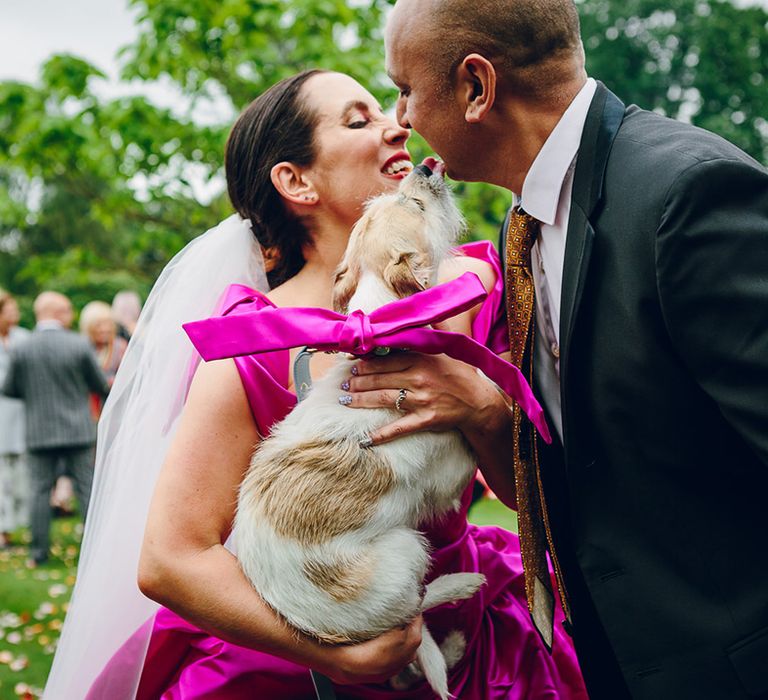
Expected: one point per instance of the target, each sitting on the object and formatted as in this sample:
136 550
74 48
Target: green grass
32 607
33 601
493 512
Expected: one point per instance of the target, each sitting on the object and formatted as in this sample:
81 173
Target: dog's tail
444 589
432 663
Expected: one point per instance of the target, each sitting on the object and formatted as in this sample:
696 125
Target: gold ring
400 398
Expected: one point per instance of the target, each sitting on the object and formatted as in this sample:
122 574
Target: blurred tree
240 47
96 195
703 61
93 196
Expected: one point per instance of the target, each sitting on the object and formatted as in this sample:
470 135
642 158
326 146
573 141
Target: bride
173 616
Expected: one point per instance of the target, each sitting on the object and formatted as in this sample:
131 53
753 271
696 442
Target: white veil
139 420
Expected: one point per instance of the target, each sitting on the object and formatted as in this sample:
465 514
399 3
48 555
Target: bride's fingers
409 371
388 398
395 362
377 382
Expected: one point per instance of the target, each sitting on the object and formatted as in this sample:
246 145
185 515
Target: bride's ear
292 185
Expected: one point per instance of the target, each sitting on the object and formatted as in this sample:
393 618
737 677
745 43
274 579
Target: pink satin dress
505 658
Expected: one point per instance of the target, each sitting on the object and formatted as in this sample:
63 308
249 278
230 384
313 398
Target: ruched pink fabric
505 658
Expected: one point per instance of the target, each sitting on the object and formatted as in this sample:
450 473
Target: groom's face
425 103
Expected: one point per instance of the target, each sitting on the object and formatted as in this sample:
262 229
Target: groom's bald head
534 44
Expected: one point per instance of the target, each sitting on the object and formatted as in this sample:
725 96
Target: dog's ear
348 272
406 272
344 286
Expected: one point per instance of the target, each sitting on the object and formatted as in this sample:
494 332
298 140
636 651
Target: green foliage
91 198
702 60
97 194
241 47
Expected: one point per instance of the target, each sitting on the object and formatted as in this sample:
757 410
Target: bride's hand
440 393
374 661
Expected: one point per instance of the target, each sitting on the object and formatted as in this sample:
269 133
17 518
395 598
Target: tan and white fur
326 529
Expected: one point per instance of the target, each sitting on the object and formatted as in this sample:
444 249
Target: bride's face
361 152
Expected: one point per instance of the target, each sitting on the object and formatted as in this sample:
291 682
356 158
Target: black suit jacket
658 495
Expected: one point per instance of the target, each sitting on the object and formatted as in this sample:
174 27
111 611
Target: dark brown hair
277 126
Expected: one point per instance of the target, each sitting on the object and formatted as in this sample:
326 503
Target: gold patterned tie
533 520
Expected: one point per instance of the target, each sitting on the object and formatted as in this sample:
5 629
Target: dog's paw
450 588
472 583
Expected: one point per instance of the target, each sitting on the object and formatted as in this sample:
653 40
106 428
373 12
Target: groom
650 352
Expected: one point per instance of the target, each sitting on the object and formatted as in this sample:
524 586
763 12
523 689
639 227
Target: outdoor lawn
33 602
32 607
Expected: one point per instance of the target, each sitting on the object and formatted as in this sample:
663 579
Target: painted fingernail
354 370
366 442
345 400
345 385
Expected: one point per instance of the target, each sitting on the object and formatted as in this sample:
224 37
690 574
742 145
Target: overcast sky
32 30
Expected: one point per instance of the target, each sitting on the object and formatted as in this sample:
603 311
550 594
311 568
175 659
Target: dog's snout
430 166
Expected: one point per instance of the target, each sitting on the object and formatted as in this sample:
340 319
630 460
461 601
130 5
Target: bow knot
356 335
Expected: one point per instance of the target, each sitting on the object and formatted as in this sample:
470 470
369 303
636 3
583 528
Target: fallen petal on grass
19 664
58 590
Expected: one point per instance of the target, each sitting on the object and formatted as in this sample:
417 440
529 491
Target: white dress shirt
546 196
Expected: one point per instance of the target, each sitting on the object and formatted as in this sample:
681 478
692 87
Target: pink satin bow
399 324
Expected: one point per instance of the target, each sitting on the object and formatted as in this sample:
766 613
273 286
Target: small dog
325 528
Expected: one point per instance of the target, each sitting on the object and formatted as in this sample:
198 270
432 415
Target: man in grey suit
54 371
637 292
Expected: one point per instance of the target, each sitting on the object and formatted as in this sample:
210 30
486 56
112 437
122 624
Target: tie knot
521 235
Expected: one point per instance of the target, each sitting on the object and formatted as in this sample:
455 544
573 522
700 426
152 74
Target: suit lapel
603 120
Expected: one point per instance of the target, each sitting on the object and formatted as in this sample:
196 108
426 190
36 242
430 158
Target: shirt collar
544 181
48 324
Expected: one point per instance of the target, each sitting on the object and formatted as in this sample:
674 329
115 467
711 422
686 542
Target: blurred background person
53 371
14 479
98 324
126 307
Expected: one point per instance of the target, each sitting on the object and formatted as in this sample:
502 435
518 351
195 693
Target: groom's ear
476 80
292 184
